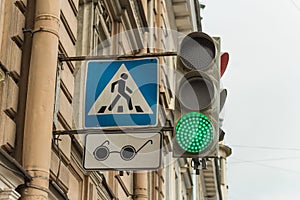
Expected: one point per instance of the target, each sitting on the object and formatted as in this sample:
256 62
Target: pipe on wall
40 99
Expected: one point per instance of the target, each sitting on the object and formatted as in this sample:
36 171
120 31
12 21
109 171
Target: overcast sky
262 109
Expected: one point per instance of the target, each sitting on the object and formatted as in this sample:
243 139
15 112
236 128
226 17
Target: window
102 27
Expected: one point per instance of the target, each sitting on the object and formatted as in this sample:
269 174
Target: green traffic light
194 132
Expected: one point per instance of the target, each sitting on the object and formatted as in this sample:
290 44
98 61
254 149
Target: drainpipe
140 185
40 99
140 178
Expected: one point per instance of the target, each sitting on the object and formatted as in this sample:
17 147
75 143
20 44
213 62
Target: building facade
41 94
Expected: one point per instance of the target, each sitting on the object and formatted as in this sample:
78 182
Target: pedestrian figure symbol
121 96
123 91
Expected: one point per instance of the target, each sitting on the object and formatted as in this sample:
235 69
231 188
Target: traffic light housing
196 115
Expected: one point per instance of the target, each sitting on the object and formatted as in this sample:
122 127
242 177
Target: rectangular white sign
122 151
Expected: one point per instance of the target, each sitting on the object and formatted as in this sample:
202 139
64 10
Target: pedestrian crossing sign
121 93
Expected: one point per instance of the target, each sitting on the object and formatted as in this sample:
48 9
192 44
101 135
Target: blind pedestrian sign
121 93
120 151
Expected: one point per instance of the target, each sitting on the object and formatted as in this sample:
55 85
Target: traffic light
196 130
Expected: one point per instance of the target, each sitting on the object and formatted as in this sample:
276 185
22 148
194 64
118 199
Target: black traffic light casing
196 116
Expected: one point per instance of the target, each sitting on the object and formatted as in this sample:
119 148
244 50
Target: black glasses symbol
127 152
